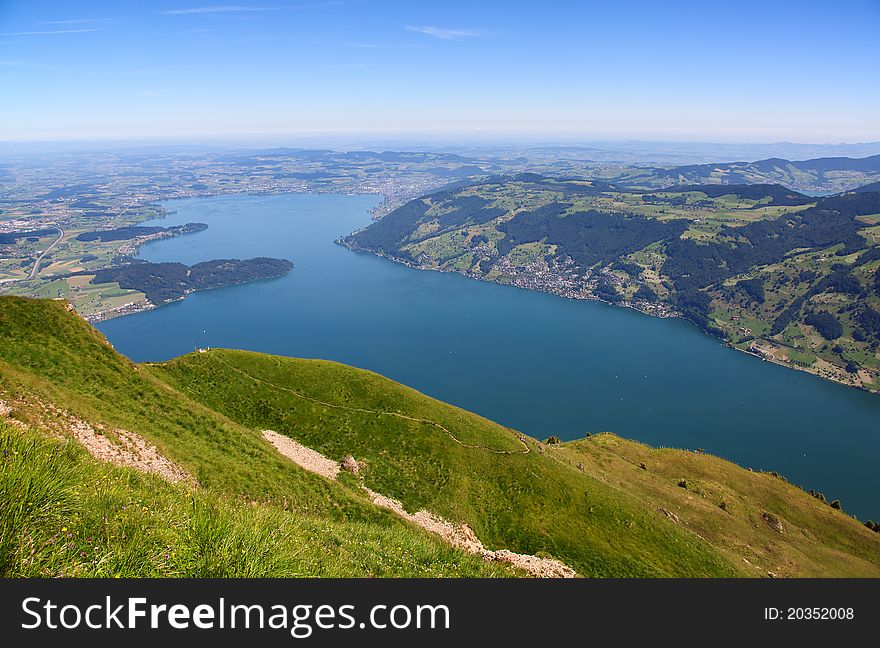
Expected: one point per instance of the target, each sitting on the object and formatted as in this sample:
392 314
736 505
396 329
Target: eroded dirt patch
304 457
131 450
119 447
463 537
458 535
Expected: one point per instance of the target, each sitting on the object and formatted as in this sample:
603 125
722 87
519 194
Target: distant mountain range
819 175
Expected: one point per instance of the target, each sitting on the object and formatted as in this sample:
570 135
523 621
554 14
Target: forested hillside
786 276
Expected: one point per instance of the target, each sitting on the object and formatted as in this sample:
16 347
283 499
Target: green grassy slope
522 501
603 519
65 514
205 411
51 359
726 505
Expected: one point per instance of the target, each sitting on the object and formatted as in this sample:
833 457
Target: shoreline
132 248
668 314
147 305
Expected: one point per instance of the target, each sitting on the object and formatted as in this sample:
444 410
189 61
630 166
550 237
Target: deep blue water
533 361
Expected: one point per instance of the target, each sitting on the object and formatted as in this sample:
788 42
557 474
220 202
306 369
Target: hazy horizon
603 152
425 138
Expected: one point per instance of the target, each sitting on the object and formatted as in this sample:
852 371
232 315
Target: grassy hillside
65 514
756 516
587 503
603 520
54 366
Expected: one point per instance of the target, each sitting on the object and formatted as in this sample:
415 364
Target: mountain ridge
827 174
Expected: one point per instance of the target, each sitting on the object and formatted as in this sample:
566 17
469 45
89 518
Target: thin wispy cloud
53 31
215 10
75 21
444 32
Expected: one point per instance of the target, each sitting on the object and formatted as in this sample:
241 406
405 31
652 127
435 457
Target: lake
536 362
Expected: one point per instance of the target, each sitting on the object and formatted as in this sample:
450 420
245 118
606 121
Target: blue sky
722 71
